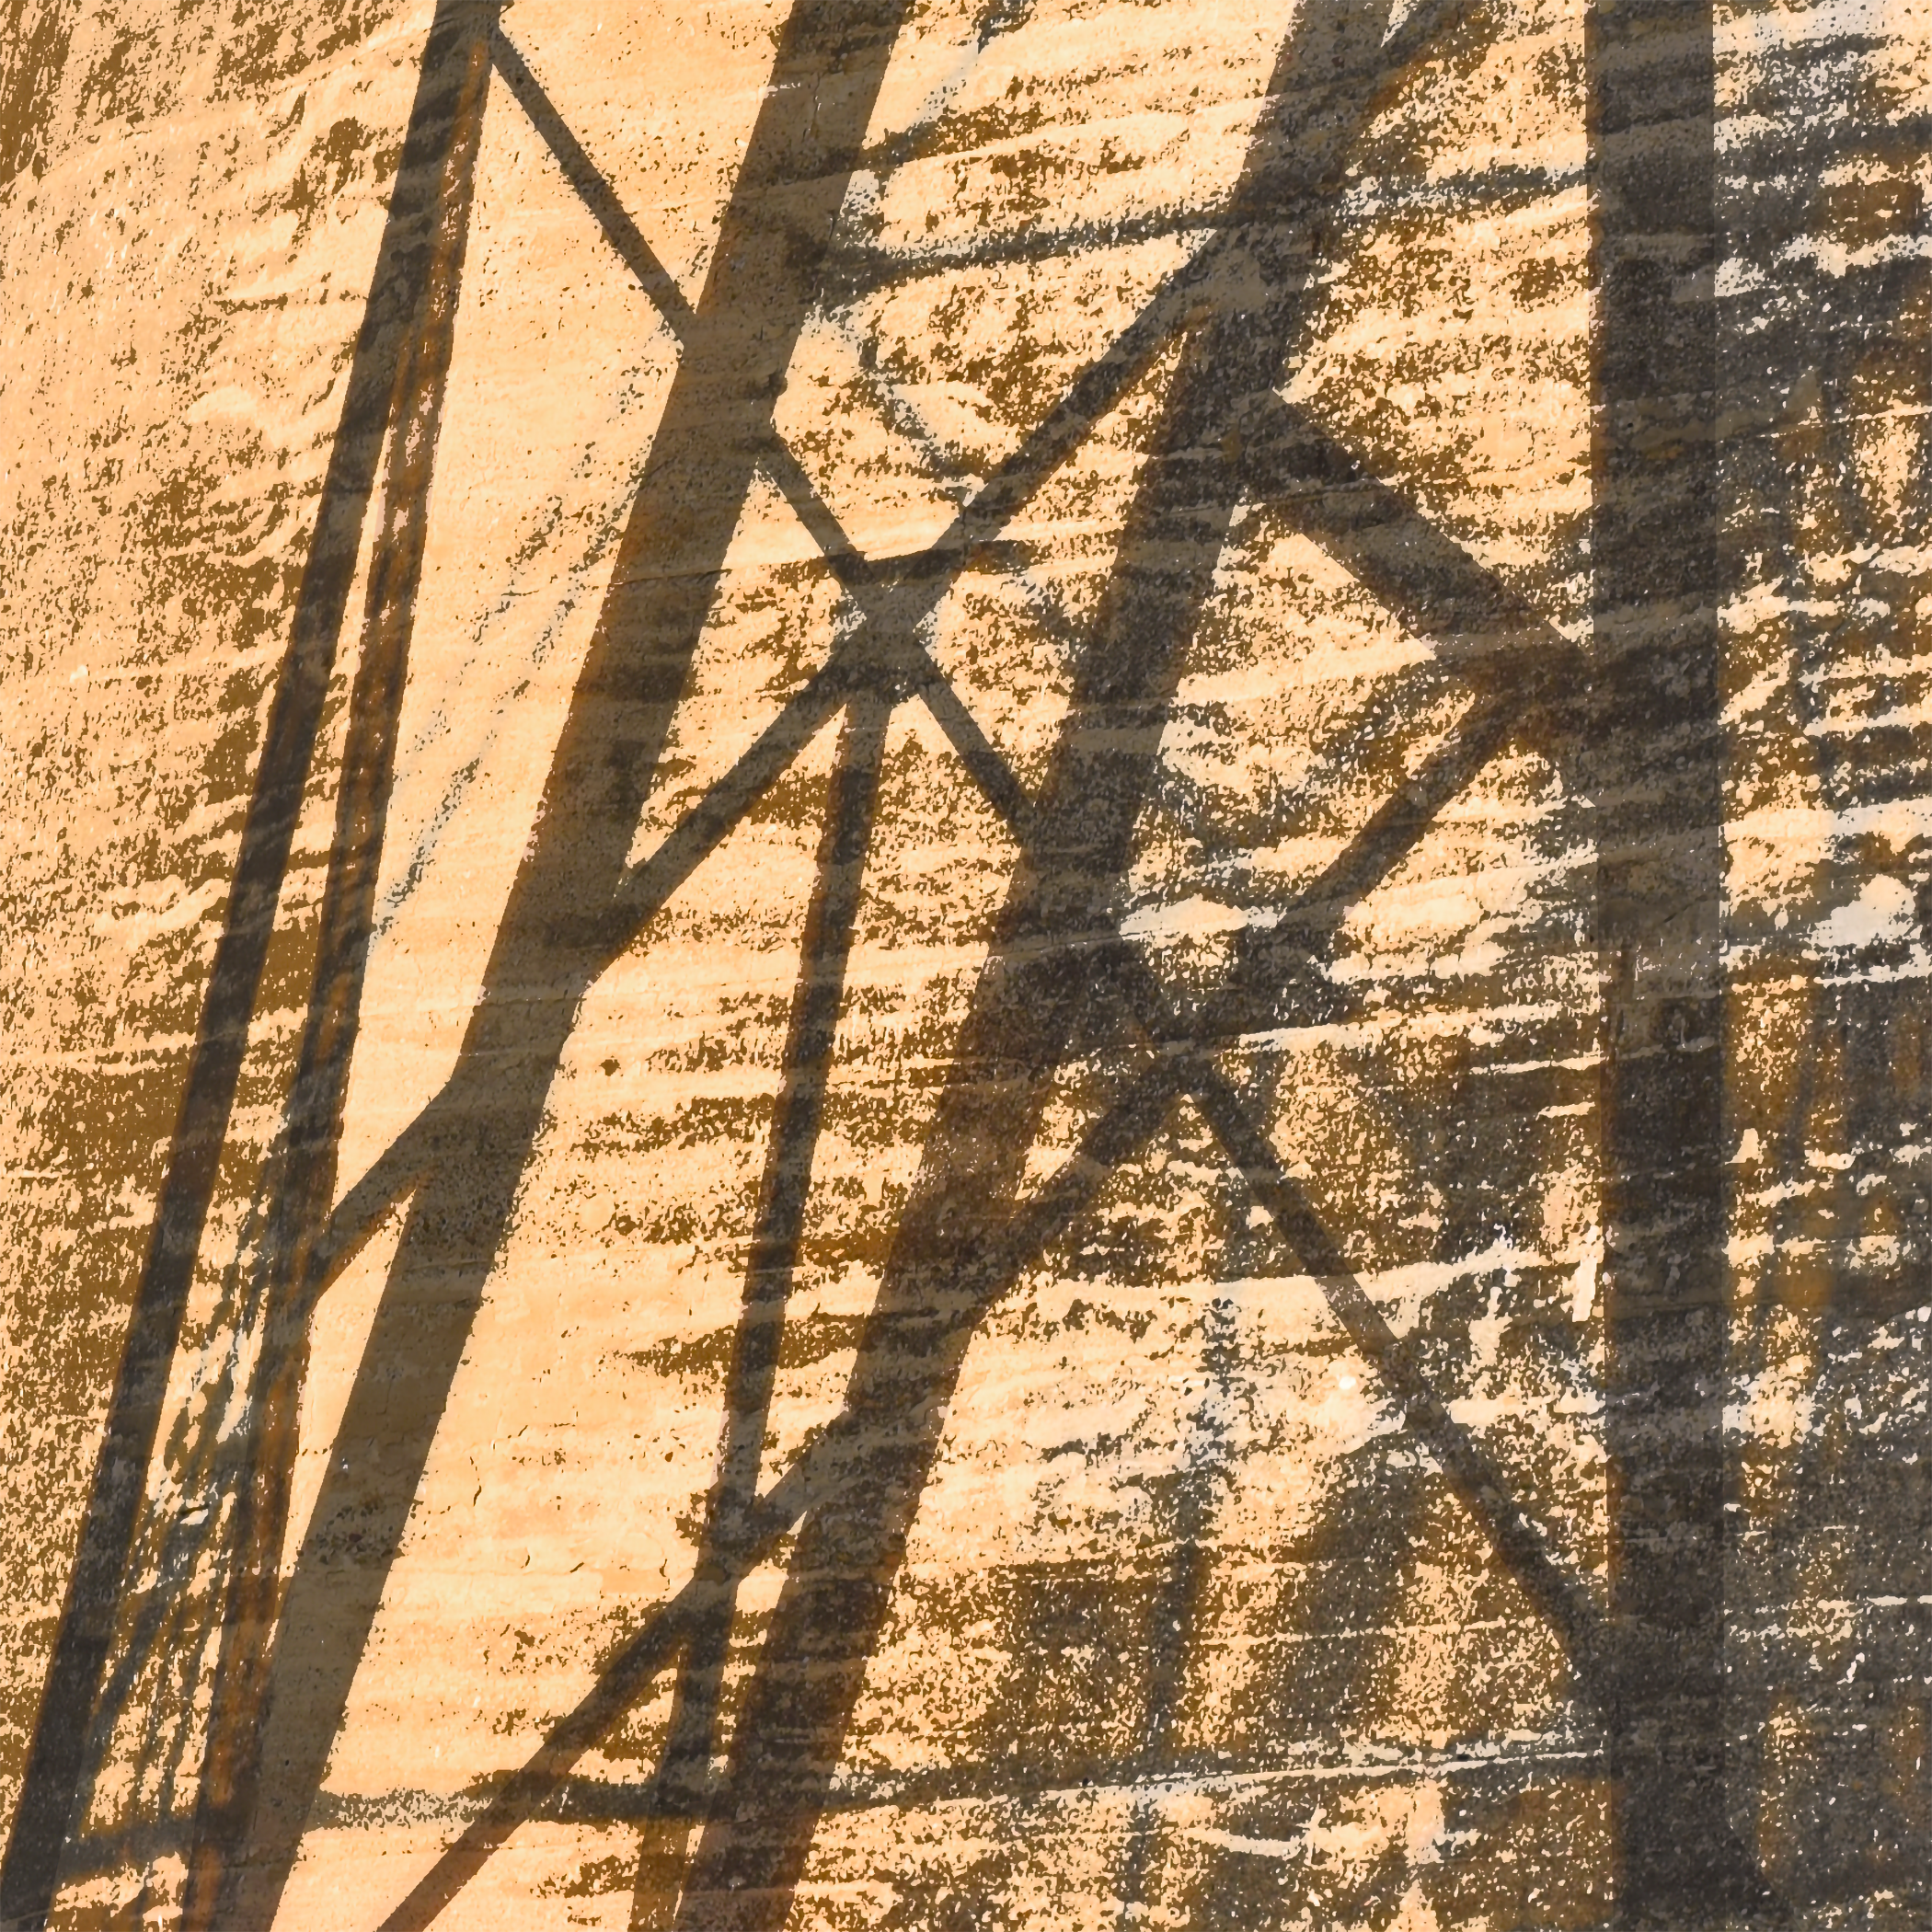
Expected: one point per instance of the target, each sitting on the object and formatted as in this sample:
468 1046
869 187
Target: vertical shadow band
1656 765
29 1870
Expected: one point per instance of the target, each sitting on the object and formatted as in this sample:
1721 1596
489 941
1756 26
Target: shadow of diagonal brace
1529 685
636 253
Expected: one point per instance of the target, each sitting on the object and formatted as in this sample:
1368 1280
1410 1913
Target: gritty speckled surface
1138 1587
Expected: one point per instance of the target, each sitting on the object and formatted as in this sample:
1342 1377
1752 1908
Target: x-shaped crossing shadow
1523 673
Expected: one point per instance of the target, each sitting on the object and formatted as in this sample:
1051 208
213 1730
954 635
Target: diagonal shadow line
644 893
865 270
779 1228
592 190
320 1095
1471 1472
902 417
628 1672
1533 674
999 783
1529 677
636 255
386 1184
1435 587
916 141
573 891
646 888
398 290
894 409
793 482
1305 477
1269 960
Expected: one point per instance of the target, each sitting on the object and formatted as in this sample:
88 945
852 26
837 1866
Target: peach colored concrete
185 261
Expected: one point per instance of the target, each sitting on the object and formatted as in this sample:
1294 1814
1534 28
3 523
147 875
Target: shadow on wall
1642 742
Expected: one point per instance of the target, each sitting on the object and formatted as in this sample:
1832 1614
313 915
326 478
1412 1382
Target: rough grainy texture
966 965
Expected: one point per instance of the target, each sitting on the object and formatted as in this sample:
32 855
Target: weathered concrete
967 966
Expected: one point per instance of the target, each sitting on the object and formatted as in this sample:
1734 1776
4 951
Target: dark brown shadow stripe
399 291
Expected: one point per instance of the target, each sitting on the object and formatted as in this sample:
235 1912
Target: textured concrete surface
965 966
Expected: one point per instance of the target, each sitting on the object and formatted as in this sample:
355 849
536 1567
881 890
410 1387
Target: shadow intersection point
1060 975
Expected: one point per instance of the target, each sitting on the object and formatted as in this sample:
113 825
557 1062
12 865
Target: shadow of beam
400 291
568 909
1656 760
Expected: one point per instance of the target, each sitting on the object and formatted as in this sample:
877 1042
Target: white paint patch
1582 1280
1881 913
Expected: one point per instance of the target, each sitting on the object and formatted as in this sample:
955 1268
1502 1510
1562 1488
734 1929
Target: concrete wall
965 967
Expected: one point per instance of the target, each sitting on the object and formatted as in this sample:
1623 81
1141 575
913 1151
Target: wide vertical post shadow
1656 765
